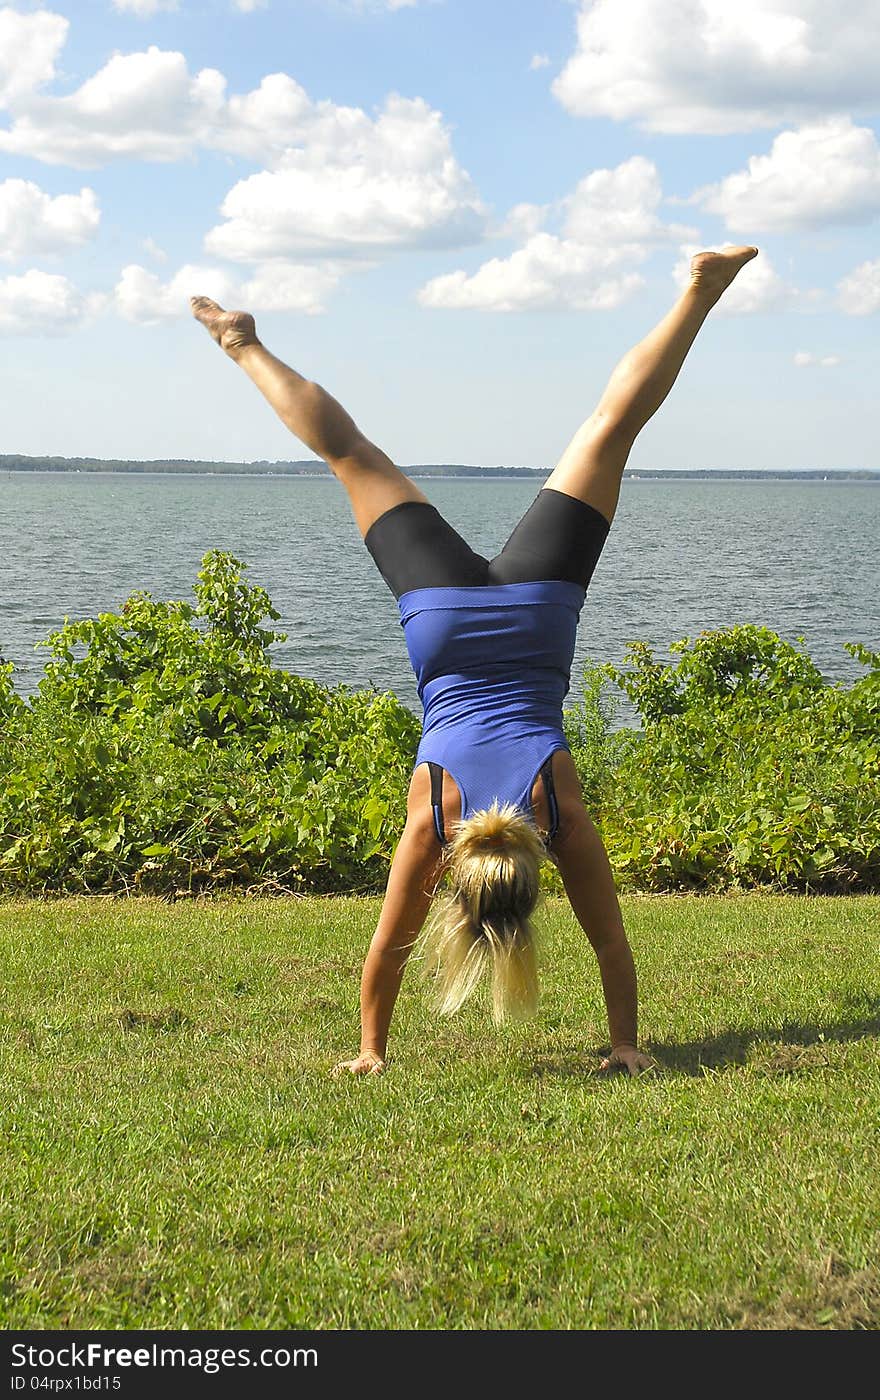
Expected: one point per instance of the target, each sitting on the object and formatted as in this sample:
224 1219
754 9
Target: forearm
380 983
618 973
589 884
405 907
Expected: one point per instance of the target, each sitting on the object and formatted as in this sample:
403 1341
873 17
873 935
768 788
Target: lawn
175 1154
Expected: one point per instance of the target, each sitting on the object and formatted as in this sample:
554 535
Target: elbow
573 829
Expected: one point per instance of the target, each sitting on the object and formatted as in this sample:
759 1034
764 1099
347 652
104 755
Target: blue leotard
493 666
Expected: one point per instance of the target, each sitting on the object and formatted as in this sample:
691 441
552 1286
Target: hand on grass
629 1058
367 1062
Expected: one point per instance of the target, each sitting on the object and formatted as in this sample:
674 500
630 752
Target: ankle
242 349
699 295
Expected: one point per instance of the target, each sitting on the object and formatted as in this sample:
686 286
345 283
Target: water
798 557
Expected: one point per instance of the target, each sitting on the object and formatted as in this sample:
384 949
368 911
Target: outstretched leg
374 484
592 465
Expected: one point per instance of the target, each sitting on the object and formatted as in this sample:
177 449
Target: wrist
624 1045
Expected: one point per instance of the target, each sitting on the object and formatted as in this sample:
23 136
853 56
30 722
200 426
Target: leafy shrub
173 756
205 669
749 770
596 747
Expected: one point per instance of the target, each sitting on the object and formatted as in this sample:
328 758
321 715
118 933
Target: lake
799 557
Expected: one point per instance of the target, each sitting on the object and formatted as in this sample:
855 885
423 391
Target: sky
454 214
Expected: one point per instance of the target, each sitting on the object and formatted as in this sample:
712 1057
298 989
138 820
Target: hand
629 1058
367 1062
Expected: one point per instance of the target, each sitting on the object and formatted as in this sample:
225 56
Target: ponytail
484 920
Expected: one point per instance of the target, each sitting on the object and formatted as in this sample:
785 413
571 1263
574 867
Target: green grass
174 1154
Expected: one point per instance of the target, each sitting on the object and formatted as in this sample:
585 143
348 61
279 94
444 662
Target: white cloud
140 105
33 223
619 205
247 7
142 297
152 248
805 359
859 292
608 224
824 173
284 286
41 303
352 186
144 9
549 273
522 221
713 66
29 46
339 180
539 60
279 114
148 106
758 286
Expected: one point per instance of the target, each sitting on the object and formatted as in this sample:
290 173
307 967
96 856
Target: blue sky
456 214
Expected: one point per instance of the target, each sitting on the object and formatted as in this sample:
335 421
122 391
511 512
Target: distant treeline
13 462
184 467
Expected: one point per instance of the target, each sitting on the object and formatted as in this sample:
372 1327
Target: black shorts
559 537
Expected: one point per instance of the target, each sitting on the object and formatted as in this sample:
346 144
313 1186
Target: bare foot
232 330
712 273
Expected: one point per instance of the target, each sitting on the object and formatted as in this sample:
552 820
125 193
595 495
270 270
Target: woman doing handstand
494 788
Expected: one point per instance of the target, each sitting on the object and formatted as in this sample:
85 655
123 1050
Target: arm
589 884
411 883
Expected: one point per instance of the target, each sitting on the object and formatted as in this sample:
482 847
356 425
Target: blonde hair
493 863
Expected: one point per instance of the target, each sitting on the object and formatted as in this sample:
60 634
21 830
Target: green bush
749 769
173 756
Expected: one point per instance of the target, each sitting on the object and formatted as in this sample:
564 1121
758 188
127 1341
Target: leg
374 484
592 465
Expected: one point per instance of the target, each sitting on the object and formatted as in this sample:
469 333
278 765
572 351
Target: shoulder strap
552 803
436 771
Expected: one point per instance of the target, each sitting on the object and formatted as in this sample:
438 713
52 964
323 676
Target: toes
200 305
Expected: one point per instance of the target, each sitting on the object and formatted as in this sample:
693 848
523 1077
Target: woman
494 787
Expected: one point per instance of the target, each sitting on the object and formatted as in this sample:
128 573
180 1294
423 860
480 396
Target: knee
352 455
612 432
